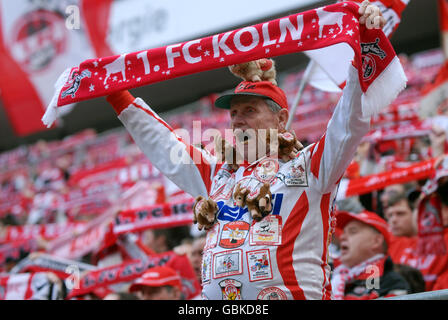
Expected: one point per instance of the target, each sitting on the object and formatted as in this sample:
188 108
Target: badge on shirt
206 270
234 234
296 175
223 184
212 237
231 289
227 263
272 293
266 170
267 231
259 265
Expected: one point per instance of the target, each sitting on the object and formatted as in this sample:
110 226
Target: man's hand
371 16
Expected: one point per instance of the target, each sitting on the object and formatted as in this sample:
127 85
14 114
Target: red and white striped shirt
285 255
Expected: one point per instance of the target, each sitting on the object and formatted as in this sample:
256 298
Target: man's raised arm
188 167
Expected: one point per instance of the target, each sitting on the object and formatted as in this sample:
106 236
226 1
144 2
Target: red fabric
317 157
96 15
120 100
326 223
22 103
163 215
290 231
366 184
111 74
443 15
430 227
157 277
403 251
261 88
367 217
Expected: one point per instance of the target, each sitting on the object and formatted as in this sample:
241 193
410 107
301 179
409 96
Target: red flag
329 71
37 42
443 15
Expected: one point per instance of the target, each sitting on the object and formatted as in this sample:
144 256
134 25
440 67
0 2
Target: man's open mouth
243 136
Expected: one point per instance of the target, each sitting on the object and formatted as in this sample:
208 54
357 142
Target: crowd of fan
52 193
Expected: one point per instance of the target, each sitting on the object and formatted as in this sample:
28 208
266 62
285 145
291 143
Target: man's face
158 293
358 243
400 219
253 113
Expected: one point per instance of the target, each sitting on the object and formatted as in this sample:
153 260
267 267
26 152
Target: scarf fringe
384 89
51 113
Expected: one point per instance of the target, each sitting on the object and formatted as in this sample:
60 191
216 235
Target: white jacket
279 258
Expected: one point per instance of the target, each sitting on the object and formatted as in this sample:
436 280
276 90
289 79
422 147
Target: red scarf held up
381 76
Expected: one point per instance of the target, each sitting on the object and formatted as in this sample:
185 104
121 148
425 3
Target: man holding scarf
284 255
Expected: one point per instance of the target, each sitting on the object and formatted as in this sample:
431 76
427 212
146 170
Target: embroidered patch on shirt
272 293
234 234
212 237
295 175
266 170
223 185
206 271
227 263
259 265
231 289
267 231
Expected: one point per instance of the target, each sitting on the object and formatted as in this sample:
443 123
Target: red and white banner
165 215
133 269
28 286
46 231
443 21
435 99
366 184
305 31
37 40
329 69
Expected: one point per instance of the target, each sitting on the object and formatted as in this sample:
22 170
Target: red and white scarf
366 184
132 269
343 274
381 76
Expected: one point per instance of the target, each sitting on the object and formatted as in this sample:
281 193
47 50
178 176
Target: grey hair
274 106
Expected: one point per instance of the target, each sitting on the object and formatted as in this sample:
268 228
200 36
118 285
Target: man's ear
283 116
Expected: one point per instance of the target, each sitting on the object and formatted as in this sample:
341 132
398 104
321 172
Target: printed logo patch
272 293
368 67
234 234
267 231
212 237
231 289
227 263
373 48
266 170
75 82
223 184
206 267
259 265
296 175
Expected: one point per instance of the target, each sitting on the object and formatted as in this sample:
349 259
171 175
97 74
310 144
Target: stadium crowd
89 217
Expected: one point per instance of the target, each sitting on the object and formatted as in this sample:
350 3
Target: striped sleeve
190 168
332 154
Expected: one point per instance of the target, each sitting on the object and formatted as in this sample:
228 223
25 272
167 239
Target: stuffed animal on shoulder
225 152
288 145
204 212
256 70
258 199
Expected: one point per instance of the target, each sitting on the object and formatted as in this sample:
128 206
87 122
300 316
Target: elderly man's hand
371 16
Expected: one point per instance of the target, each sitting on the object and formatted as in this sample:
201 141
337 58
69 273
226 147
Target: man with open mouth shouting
267 207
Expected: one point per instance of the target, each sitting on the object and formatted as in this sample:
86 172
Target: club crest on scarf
75 83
